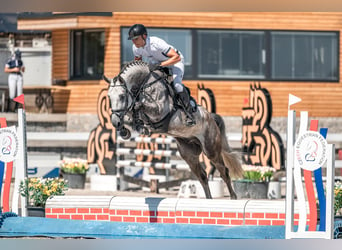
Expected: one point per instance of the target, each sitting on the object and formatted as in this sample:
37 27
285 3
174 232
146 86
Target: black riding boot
11 106
185 100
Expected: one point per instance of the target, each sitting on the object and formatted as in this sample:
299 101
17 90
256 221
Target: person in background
15 67
160 53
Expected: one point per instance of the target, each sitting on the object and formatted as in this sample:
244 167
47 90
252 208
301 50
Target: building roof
64 20
8 23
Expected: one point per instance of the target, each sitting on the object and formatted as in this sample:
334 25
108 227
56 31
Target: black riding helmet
136 30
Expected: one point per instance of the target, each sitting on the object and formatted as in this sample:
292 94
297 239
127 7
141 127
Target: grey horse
145 101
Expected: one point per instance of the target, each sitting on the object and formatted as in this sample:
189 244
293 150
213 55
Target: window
180 39
304 56
231 54
87 54
251 54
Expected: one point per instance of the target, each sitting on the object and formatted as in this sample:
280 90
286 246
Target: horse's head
123 88
120 100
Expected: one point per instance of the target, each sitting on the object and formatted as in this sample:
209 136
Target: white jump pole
20 165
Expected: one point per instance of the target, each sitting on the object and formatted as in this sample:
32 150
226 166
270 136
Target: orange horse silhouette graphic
261 145
102 139
206 99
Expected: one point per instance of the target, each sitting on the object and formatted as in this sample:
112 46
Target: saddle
173 92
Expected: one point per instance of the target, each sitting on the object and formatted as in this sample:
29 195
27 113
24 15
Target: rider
159 53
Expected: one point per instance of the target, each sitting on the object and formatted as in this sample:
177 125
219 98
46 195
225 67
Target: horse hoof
125 133
233 197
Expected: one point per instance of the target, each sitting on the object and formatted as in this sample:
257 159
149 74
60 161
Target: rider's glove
153 66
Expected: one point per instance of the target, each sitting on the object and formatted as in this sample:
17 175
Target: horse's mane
129 65
136 71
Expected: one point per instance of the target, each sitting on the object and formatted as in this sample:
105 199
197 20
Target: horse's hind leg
190 152
224 173
227 162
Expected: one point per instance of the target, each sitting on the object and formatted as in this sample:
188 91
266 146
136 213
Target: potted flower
74 171
38 190
254 183
338 199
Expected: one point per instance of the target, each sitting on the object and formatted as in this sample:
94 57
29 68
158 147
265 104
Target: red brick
153 220
223 221
53 216
96 211
258 215
106 210
172 214
251 222
47 210
202 214
83 210
77 217
216 214
89 217
236 222
163 213
240 215
142 219
112 211
182 220
135 212
264 222
128 219
296 216
282 216
102 217
247 215
159 220
122 212
195 221
64 216
278 222
70 210
149 213
116 218
57 210
189 213
229 215
209 221
178 213
169 220
271 216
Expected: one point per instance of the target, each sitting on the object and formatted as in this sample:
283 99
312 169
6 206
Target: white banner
8 144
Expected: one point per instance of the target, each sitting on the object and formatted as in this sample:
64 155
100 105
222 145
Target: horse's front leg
190 153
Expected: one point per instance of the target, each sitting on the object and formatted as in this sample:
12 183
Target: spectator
15 67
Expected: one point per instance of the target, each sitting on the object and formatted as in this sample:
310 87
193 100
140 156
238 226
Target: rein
134 93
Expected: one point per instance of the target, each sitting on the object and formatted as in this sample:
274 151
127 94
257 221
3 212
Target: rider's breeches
15 85
178 72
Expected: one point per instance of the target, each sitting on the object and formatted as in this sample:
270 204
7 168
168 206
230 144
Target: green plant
338 198
257 173
74 166
38 190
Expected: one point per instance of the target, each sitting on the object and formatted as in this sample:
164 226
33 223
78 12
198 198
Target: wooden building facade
322 98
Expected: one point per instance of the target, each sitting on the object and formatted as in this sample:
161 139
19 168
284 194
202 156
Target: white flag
293 99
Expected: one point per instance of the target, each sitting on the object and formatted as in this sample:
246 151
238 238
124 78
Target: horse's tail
230 158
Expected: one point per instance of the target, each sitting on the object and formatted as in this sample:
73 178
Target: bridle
120 113
128 95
